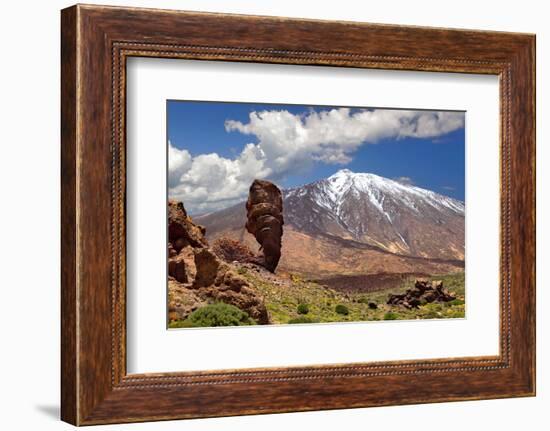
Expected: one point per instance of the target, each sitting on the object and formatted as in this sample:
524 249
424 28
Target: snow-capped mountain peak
380 211
332 191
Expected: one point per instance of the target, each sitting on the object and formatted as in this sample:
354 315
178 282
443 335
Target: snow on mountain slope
378 211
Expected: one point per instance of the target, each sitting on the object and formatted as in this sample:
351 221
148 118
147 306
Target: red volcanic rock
232 289
207 265
231 250
197 276
177 268
216 280
171 251
181 229
264 212
181 301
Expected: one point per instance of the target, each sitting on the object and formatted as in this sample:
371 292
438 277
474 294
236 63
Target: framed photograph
323 214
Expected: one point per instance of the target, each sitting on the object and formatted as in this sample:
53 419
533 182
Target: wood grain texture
69 367
96 41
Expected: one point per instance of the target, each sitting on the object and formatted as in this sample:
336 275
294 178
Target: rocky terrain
197 276
202 276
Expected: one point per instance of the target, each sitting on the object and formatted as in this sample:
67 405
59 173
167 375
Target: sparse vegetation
390 316
218 314
302 319
456 302
342 309
303 309
283 301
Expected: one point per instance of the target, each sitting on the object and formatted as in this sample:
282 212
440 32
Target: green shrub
218 314
341 309
303 309
302 319
390 316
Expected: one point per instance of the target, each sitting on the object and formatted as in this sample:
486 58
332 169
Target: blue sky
298 144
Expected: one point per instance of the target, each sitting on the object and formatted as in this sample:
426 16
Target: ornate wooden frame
95 42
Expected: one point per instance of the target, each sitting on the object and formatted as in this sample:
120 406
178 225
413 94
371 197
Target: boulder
264 212
177 268
207 266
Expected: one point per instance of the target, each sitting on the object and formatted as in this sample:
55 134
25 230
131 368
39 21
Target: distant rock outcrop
423 292
197 277
231 250
264 213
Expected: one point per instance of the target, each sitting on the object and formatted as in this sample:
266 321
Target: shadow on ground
49 410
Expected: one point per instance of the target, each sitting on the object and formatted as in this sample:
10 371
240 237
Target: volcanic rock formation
264 213
197 277
182 231
422 293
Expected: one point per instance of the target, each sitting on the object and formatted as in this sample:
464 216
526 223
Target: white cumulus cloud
179 162
287 143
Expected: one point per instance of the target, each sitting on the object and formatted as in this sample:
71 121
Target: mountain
378 211
359 223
